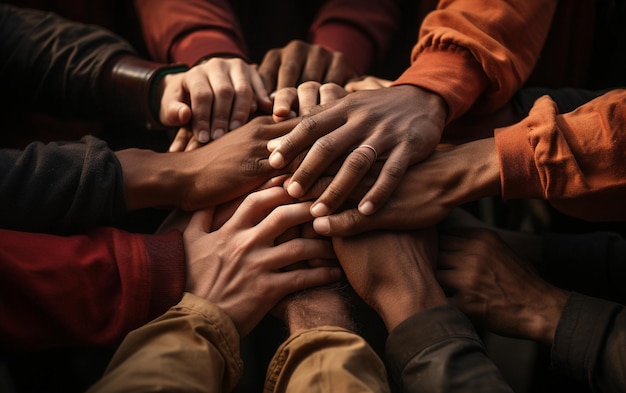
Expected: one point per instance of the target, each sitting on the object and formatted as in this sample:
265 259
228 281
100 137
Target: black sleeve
53 65
60 188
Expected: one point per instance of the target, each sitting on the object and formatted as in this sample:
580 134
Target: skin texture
240 267
495 287
299 62
401 135
221 93
429 191
304 99
225 169
393 272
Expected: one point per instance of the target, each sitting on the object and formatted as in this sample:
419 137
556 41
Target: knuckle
325 146
358 162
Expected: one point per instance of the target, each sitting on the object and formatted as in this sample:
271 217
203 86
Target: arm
89 289
582 147
361 31
187 31
338 358
431 345
236 274
589 341
470 60
194 346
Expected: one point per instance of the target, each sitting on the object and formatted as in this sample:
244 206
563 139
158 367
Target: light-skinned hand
211 99
240 268
291 102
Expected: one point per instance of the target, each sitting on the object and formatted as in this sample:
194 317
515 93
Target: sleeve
187 31
89 289
193 347
362 31
438 350
60 187
573 160
326 356
477 53
50 64
589 343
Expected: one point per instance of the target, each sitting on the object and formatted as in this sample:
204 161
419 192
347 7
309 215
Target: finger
317 61
347 223
298 280
284 217
285 100
324 151
176 114
201 97
390 177
352 171
292 62
224 94
330 92
193 144
308 96
257 205
269 69
296 250
201 220
339 71
259 91
244 96
180 140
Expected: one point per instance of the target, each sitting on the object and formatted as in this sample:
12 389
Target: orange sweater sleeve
186 31
575 160
477 53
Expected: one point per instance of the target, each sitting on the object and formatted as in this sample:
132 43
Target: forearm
153 179
568 159
88 289
193 347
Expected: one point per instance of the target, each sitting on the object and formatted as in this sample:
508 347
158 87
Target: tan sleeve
193 347
328 358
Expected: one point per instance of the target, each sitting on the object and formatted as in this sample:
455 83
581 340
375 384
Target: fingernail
276 160
203 136
235 124
319 210
321 225
294 189
273 144
218 133
366 208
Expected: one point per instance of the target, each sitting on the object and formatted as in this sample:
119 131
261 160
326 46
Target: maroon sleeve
89 289
361 30
186 31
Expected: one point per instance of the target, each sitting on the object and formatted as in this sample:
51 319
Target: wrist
317 307
482 178
544 321
151 179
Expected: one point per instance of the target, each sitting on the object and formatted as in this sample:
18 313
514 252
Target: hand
497 289
393 272
446 179
221 94
222 170
239 267
400 124
299 62
291 102
367 83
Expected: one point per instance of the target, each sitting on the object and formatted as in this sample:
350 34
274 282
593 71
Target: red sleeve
477 53
361 30
575 160
186 31
88 289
